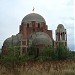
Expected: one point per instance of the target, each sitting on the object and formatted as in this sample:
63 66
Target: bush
62 52
49 53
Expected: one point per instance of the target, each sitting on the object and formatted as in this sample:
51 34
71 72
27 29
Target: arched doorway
37 52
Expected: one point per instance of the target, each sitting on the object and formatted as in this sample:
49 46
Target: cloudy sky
53 11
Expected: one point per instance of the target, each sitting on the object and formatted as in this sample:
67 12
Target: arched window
38 25
27 25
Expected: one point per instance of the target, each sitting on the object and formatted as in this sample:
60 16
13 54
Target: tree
32 51
46 54
62 52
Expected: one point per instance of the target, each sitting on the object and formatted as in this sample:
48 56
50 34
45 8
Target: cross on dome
33 9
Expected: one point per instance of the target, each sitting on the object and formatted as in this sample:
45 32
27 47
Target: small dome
13 40
8 42
33 17
60 26
40 38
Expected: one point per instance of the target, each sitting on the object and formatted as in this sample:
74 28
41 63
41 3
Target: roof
40 38
13 40
33 17
60 26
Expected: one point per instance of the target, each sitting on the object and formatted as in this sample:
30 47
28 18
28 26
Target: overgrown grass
65 67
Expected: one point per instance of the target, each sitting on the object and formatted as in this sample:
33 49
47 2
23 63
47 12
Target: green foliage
71 55
62 52
48 53
59 53
32 51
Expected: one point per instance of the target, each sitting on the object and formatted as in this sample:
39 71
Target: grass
64 67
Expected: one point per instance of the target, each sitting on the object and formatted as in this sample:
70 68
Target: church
33 30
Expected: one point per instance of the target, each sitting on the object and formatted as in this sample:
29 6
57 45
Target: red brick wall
49 32
33 27
29 28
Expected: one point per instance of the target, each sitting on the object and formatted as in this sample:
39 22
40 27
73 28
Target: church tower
61 35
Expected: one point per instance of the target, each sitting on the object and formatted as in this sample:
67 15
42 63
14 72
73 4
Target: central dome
33 17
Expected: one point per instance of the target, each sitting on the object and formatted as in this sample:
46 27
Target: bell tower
61 35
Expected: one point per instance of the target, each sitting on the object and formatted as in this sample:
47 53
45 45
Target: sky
54 12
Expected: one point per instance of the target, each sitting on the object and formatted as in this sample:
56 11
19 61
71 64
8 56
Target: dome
40 38
8 41
60 26
13 40
33 17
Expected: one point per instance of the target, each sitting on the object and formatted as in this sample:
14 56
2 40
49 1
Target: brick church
33 30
